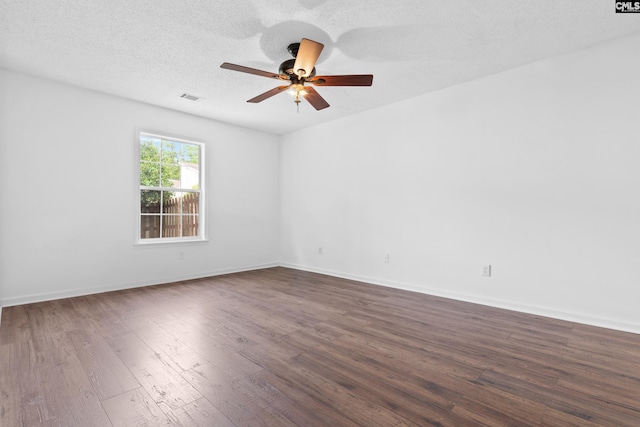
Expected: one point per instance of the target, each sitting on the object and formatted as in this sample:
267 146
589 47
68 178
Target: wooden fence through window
175 222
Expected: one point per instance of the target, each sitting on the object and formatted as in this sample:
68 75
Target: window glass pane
171 226
170 175
149 149
189 225
150 174
190 154
150 201
149 226
171 152
189 176
191 203
171 202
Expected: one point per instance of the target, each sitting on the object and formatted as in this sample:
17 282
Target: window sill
168 241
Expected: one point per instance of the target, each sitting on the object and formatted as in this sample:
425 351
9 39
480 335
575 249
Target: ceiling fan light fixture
297 90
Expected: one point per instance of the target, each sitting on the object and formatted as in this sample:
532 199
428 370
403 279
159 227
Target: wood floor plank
230 361
317 386
70 397
392 349
491 413
585 407
22 398
222 328
555 418
538 374
620 390
163 342
422 402
520 403
348 404
234 401
319 409
96 315
134 408
200 413
43 336
108 375
292 410
159 379
421 385
245 330
15 326
514 387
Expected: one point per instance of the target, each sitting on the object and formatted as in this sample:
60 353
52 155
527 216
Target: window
171 194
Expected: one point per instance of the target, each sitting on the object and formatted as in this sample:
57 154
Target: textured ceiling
155 50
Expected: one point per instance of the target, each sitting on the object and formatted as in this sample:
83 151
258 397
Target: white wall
67 216
535 171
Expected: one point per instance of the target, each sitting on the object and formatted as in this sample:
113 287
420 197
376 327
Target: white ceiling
154 50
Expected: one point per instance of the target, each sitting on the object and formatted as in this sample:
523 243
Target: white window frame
201 237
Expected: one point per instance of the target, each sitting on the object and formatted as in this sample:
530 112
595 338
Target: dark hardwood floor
281 347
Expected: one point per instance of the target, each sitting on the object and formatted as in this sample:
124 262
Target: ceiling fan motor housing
286 69
293 49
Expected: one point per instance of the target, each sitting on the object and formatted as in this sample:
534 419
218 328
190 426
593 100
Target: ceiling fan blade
314 98
243 69
348 80
268 94
307 56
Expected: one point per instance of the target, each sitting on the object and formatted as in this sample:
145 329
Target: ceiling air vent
190 97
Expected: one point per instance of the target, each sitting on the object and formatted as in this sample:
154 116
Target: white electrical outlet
319 250
387 259
486 270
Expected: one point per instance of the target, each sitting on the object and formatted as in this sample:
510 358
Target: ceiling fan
299 71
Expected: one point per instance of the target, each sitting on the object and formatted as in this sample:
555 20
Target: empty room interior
437 225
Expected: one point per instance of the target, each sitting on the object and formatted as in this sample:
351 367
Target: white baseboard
70 293
477 299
